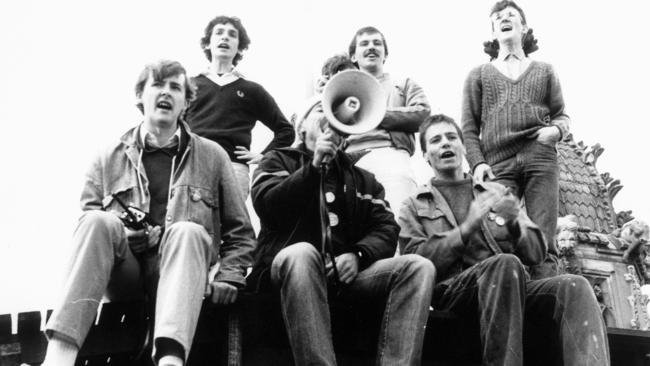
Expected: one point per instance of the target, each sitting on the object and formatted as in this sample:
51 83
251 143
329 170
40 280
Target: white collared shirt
148 138
512 64
225 78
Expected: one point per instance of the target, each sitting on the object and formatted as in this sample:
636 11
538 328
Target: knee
98 219
575 286
187 235
419 267
506 263
296 258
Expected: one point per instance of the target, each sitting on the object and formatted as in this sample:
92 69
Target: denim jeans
533 174
507 302
243 178
405 282
103 264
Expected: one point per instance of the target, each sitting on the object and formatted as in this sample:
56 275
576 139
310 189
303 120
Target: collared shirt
225 78
512 64
147 138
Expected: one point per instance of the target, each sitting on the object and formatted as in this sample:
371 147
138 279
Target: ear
353 58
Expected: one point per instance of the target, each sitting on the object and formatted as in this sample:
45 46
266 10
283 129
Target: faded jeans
533 174
506 300
103 264
243 178
405 282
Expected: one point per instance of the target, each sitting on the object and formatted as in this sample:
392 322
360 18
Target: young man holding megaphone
300 193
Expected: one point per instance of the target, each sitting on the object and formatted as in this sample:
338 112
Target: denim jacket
430 229
203 190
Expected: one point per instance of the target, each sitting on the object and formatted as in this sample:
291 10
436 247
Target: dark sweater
227 114
499 114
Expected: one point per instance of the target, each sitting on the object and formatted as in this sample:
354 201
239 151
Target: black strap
326 249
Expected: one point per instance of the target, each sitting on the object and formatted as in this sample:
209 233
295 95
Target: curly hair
244 40
337 63
528 43
161 70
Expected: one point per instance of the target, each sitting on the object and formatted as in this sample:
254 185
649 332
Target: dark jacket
430 229
285 193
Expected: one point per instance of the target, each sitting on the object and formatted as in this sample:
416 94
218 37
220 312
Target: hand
480 171
548 135
507 207
222 293
249 157
141 240
326 145
478 209
347 264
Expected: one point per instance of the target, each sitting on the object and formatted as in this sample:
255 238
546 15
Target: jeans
533 174
243 178
392 168
103 264
507 302
405 282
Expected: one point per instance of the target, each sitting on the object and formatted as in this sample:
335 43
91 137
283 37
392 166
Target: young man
227 105
286 196
188 188
512 117
392 143
479 241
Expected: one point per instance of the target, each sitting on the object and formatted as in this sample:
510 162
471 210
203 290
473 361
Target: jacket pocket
199 206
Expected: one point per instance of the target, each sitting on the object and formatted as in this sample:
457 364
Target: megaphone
353 102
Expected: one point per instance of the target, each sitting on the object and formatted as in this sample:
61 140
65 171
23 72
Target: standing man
479 240
286 197
188 189
227 105
512 117
391 144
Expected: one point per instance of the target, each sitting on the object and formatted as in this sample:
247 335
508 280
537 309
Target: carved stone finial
623 216
593 153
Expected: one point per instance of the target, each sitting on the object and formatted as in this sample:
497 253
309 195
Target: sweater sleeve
271 116
407 118
443 248
556 104
471 117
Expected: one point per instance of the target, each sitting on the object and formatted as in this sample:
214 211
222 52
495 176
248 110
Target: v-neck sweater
227 114
500 115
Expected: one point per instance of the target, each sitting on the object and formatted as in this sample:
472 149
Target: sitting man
187 186
295 198
480 241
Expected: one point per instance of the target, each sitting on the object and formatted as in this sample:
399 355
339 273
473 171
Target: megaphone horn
353 102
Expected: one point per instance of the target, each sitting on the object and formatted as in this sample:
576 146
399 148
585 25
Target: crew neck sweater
500 115
227 114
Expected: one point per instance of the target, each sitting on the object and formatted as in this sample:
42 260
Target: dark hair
528 42
434 120
160 71
337 63
352 48
244 41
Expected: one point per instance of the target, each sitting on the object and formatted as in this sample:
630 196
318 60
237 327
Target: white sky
68 70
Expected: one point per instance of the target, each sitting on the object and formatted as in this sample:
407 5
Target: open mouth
223 46
447 154
164 105
506 27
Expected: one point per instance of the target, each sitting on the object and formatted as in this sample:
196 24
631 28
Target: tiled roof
583 192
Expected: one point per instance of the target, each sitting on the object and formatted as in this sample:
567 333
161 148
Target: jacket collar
429 191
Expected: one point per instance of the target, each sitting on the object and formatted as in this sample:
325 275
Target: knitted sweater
227 114
500 115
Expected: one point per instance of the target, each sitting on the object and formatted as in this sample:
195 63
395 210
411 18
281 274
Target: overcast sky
68 71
